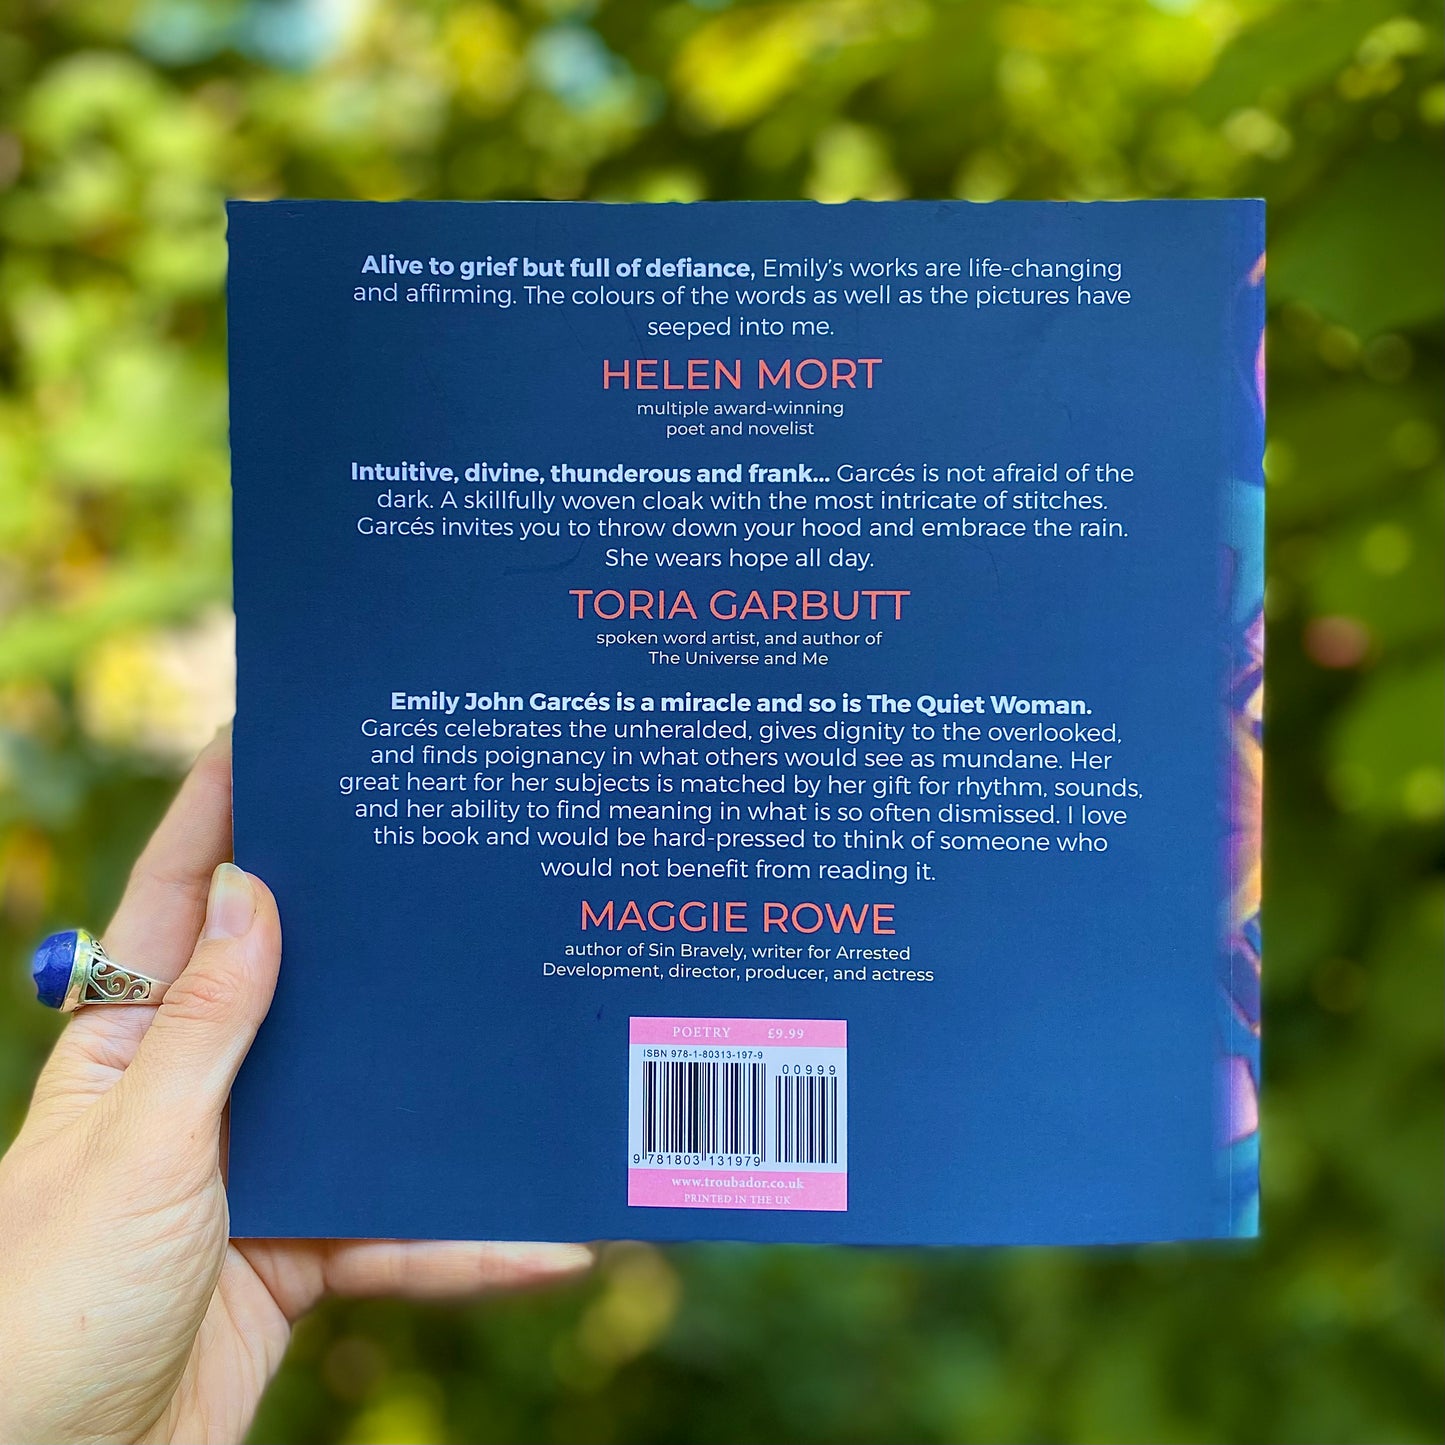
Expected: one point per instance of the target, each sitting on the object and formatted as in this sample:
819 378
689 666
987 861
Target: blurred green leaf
1385 747
1367 252
1292 50
1383 571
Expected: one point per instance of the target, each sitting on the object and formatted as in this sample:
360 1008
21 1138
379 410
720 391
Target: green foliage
123 126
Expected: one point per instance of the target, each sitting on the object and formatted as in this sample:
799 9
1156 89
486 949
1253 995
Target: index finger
159 919
154 930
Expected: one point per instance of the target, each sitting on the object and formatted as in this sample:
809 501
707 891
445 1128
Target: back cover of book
751 714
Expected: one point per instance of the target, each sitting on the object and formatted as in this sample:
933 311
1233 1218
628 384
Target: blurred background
123 125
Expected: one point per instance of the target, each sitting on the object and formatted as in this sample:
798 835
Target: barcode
706 1108
732 1113
695 1108
805 1129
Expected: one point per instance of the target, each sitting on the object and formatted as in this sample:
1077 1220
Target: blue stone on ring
72 969
54 964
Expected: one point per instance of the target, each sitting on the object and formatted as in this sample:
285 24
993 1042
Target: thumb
189 1056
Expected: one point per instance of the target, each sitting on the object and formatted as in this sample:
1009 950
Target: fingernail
232 904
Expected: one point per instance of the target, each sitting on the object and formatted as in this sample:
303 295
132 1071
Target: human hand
126 1312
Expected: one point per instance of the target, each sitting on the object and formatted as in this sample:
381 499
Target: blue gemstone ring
72 970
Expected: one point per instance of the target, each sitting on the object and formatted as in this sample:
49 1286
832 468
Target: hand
126 1314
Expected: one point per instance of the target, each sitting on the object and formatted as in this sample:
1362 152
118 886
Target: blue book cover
751 712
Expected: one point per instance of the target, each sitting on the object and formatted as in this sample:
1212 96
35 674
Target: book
751 712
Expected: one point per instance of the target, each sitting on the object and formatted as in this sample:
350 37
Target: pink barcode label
737 1113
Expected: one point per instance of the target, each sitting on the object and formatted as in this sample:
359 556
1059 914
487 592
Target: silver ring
71 970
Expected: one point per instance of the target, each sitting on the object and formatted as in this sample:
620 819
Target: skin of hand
126 1311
